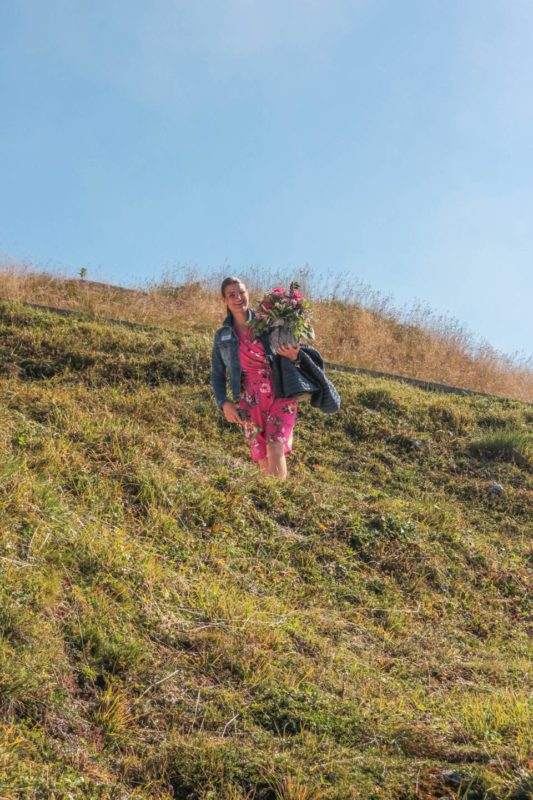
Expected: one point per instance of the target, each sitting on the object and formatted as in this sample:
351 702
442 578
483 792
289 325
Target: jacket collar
228 323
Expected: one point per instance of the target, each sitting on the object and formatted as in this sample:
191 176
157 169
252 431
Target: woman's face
236 297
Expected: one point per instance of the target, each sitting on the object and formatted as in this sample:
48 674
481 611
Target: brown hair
226 282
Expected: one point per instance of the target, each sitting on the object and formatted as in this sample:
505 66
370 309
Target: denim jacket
225 360
306 375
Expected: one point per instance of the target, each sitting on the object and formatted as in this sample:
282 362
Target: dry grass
355 325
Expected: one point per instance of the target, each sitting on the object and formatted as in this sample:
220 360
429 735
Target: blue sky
386 140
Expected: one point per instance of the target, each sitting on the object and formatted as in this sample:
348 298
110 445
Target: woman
268 421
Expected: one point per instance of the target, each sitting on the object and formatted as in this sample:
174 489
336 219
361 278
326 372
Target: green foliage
378 399
504 445
175 625
96 353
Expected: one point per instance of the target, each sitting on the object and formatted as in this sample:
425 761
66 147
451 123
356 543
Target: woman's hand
289 351
230 412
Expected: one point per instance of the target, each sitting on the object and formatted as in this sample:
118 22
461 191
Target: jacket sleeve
218 376
327 398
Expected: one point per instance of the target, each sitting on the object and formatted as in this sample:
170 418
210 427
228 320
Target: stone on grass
451 777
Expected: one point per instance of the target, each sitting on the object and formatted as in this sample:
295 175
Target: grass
355 324
510 445
175 625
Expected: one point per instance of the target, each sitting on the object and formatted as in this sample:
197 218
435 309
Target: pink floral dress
268 418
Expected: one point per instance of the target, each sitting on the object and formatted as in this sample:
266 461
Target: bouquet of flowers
285 315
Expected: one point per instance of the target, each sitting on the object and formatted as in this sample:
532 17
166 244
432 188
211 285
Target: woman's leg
279 428
277 464
263 465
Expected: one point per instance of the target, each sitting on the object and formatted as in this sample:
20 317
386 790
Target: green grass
511 445
175 625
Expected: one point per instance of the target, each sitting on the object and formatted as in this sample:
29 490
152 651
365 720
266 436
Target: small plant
236 793
493 421
113 713
377 399
20 439
291 788
447 417
83 273
513 446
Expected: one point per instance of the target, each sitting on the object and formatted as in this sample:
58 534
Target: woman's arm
218 376
218 384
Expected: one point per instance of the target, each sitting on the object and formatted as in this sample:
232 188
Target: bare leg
277 464
263 465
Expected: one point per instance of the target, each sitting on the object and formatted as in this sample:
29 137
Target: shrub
379 399
513 446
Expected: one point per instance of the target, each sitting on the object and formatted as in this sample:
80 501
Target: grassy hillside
355 324
174 625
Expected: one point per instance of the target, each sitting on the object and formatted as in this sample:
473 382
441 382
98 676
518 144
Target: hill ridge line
421 384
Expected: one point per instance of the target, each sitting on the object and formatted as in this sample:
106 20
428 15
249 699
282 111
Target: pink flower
267 306
278 291
297 295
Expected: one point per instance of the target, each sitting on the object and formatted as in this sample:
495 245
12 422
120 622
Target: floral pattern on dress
269 418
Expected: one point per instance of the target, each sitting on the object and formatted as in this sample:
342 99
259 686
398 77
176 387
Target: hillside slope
174 625
355 324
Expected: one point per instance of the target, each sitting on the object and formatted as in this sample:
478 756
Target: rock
496 488
407 444
451 777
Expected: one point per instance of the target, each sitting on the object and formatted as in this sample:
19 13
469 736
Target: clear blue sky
391 140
